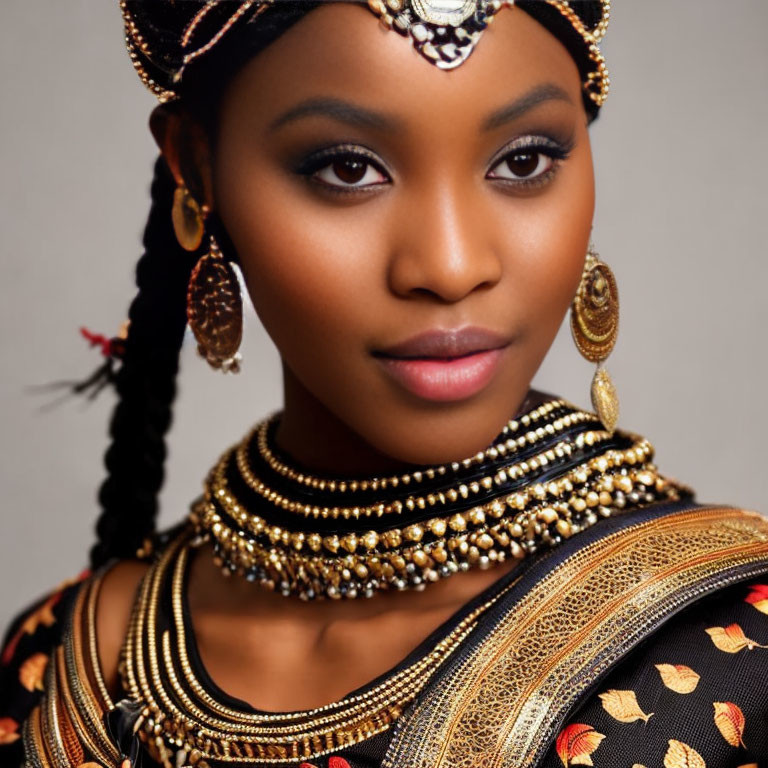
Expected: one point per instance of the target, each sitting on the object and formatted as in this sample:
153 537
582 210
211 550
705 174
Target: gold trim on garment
502 704
68 724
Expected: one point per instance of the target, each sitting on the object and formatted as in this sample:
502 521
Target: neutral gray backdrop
682 161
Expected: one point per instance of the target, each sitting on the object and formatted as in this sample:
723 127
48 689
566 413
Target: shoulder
694 690
24 654
34 634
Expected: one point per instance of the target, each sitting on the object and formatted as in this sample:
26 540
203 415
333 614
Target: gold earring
595 326
188 218
215 310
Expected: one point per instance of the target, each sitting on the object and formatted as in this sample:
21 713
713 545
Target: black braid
146 384
146 381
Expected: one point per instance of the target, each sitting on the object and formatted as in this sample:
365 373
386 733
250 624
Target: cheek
305 268
551 238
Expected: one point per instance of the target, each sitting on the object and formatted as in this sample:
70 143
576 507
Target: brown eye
524 164
349 170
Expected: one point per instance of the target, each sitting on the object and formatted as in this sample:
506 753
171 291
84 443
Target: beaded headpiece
165 36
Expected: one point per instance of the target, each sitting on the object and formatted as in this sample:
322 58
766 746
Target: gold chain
224 734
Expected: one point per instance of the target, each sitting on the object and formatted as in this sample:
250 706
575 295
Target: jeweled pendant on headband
443 31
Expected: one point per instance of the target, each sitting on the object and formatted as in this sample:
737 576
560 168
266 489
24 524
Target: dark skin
473 206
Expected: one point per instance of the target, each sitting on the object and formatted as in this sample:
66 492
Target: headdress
165 38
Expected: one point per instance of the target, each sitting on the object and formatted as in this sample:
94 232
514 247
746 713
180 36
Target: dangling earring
215 310
595 326
214 303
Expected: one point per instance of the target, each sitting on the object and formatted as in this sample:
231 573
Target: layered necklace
549 474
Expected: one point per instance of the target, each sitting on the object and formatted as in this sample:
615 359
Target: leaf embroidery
8 730
758 597
749 765
576 743
732 639
680 755
638 765
43 615
32 670
729 720
623 706
678 677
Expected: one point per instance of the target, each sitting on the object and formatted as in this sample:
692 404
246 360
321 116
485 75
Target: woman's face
373 197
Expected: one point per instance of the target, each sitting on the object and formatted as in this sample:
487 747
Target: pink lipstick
445 365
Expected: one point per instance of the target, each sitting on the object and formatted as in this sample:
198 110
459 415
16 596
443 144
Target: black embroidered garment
632 631
691 693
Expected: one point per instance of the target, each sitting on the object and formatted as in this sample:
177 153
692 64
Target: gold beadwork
512 515
598 82
186 718
508 446
449 49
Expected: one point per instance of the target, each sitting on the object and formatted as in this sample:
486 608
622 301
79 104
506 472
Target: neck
315 438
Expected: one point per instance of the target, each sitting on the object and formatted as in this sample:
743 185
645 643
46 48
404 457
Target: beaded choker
548 474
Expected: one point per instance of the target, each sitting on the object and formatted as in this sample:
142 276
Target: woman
412 229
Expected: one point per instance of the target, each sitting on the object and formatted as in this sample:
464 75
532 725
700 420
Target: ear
185 147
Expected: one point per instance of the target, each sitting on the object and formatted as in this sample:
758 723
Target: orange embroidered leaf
9 730
623 706
732 639
32 670
678 677
576 743
41 615
758 597
307 765
97 765
749 765
680 755
338 762
729 720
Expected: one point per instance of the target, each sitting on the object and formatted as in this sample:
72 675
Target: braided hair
145 383
146 379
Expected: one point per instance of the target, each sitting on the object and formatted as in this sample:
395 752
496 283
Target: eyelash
540 145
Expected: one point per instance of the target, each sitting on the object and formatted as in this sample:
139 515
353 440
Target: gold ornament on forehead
443 31
162 43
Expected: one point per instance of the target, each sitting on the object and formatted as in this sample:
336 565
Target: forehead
340 50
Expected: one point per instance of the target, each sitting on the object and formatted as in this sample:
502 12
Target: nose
442 248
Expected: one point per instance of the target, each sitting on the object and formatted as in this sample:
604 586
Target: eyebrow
362 117
336 109
517 108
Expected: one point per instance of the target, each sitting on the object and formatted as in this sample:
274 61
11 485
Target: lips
444 365
445 344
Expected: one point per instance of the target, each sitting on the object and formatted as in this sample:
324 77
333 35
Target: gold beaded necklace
549 474
182 721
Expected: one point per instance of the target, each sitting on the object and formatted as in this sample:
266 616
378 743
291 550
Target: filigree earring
215 310
595 326
214 302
